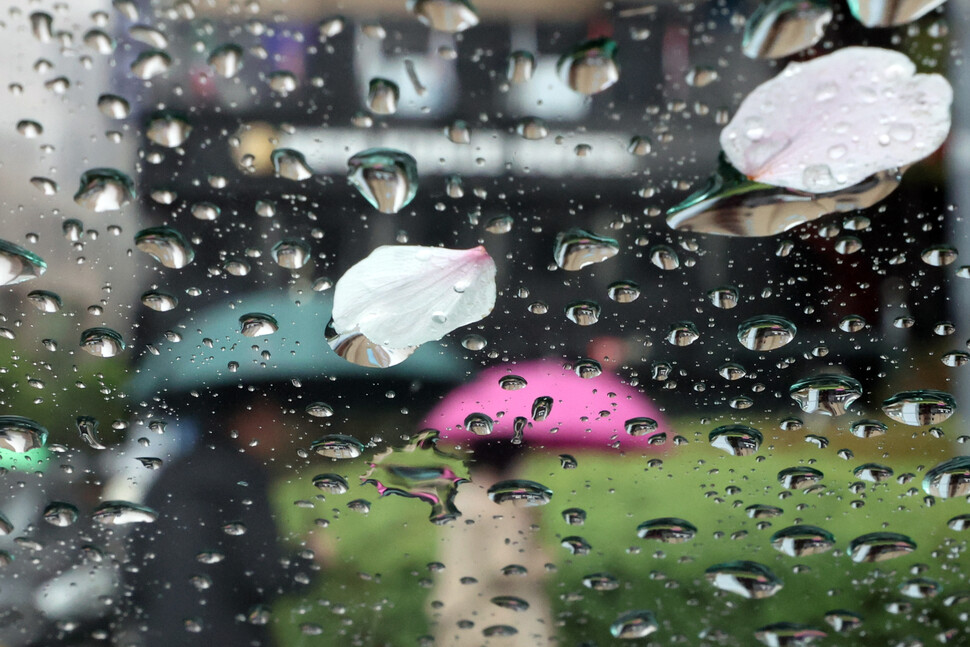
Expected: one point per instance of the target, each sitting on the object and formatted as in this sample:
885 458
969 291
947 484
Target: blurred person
211 564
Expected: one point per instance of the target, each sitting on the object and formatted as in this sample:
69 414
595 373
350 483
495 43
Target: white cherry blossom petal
405 295
832 122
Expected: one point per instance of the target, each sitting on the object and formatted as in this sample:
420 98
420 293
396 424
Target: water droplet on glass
102 342
664 257
479 424
88 428
725 297
873 472
99 41
474 342
828 394
939 255
701 76
780 28
532 128
19 434
624 291
104 189
868 428
669 530
168 129
841 620
761 511
331 483
522 65
583 313
282 82
226 60
150 63
920 408
949 479
449 16
601 582
587 368
633 625
577 248
788 634
60 514
319 409
337 446
799 478
113 106
382 96
512 382
766 333
683 333
731 371
291 254
590 67
165 245
358 349
802 540
737 440
880 546
387 178
45 301
121 513
291 164
257 324
750 580
519 493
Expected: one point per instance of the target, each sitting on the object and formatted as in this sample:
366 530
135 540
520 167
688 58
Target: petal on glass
830 123
406 295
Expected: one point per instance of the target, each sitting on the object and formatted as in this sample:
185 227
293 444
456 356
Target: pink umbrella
549 406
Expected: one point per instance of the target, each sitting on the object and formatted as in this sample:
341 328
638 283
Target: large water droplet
331 483
165 245
766 333
450 16
519 493
780 27
382 96
337 446
113 106
583 313
828 394
151 63
168 129
590 67
291 164
479 424
670 530
102 342
877 13
788 634
387 178
750 580
873 472
60 514
18 264
104 189
577 248
257 324
633 625
122 513
19 434
45 301
291 254
737 440
159 301
880 546
522 65
919 408
799 478
624 291
841 620
949 479
802 540
358 349
87 426
227 60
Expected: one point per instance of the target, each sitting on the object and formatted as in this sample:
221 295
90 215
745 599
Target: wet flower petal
832 122
406 295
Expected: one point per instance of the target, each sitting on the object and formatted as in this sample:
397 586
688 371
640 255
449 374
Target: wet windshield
425 322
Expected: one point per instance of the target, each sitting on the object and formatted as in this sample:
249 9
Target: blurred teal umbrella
214 352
